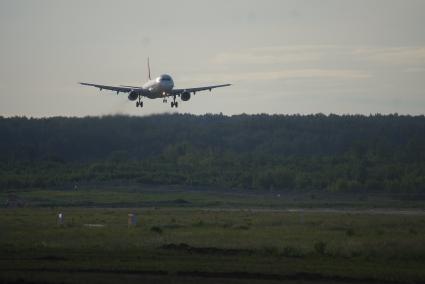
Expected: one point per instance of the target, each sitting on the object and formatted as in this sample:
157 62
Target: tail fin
149 70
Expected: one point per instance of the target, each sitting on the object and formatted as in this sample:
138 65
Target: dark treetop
351 153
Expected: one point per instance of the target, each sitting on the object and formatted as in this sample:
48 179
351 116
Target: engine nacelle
133 95
185 96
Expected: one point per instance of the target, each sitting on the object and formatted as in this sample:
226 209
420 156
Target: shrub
289 251
156 229
413 231
271 250
350 232
200 223
320 247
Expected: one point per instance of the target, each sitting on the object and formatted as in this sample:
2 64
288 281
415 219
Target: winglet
149 70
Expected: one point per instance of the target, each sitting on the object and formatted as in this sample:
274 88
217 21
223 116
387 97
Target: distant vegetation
304 153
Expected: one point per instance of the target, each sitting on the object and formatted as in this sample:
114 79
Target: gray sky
300 56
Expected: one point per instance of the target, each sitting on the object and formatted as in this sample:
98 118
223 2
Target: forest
336 153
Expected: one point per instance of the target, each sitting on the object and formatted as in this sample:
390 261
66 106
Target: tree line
289 152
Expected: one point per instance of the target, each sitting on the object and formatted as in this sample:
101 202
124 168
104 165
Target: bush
350 232
289 251
156 229
320 247
200 223
271 250
241 227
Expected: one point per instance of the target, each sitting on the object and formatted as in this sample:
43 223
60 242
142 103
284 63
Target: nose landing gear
139 103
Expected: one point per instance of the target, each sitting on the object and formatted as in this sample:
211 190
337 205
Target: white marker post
60 219
132 221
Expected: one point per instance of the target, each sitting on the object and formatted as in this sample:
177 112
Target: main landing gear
139 103
174 103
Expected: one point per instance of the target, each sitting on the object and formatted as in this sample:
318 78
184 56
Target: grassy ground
190 245
104 195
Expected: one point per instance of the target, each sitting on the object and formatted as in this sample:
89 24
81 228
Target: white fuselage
159 87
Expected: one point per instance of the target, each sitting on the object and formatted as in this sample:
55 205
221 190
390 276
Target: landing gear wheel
174 103
141 104
137 104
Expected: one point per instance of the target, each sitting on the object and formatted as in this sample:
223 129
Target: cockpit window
165 78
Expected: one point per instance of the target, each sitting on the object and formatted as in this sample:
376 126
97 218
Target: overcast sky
300 56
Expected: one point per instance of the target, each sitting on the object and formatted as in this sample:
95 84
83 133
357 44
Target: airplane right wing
198 89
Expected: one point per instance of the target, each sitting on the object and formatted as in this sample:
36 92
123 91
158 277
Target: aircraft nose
168 85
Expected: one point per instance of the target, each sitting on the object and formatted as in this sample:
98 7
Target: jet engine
185 96
133 95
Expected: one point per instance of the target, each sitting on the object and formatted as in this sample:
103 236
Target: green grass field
136 195
192 245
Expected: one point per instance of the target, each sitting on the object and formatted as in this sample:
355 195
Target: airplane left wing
198 89
119 89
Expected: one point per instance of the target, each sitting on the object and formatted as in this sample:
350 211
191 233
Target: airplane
160 87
